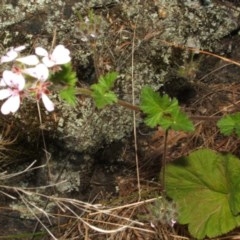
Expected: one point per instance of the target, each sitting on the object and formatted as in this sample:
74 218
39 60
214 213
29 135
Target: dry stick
210 73
162 178
196 50
134 119
54 39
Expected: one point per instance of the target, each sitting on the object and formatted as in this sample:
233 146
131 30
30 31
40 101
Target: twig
164 161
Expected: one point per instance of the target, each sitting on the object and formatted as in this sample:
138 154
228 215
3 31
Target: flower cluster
29 74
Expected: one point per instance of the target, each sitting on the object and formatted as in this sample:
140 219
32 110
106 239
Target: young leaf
101 90
161 110
205 186
66 79
105 82
181 122
157 108
102 99
230 124
69 95
65 75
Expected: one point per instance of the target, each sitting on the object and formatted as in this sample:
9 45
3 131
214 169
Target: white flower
41 73
15 83
60 55
12 54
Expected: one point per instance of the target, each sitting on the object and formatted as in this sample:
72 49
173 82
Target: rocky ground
89 155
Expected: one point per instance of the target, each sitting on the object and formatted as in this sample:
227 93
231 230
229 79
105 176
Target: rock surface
159 29
157 32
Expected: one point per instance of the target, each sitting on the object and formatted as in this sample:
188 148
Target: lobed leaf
230 124
101 90
161 110
65 75
102 99
206 185
69 95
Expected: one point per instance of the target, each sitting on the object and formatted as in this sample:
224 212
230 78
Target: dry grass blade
29 207
5 175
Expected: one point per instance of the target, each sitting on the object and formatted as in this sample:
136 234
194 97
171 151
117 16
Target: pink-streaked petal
41 51
19 82
8 77
31 72
39 72
5 93
12 104
43 72
48 104
15 80
29 60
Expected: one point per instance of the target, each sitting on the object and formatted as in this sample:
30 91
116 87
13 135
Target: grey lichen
85 128
151 30
204 25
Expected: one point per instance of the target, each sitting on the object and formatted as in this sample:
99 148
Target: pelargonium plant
29 75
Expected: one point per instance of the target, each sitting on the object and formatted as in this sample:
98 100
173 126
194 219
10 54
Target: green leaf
157 108
230 124
161 110
65 75
105 82
101 90
233 179
205 186
69 95
103 99
65 82
181 122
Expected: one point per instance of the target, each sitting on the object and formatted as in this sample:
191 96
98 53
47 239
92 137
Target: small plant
163 211
165 112
90 27
189 68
